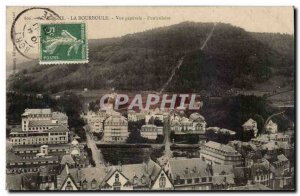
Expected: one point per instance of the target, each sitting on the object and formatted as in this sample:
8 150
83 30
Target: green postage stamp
63 43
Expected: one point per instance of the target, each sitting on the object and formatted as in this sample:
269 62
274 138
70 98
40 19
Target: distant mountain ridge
232 57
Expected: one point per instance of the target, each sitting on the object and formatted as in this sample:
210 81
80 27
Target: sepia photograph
150 98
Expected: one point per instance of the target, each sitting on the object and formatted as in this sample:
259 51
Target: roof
189 168
75 152
12 158
196 117
13 182
281 157
222 169
67 159
149 125
215 129
221 147
260 168
150 128
240 172
74 142
59 128
35 147
252 187
16 130
99 175
135 172
223 179
223 130
34 123
249 122
270 145
115 118
37 111
59 115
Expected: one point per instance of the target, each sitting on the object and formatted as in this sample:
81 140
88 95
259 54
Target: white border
5 3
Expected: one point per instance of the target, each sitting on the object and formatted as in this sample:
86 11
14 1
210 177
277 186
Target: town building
223 177
61 118
115 128
55 135
155 115
19 164
41 126
144 176
271 127
266 138
134 116
219 130
250 125
195 124
189 174
260 172
151 131
283 176
95 121
44 178
216 153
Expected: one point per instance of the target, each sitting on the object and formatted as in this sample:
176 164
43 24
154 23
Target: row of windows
266 177
117 139
115 123
38 128
61 133
34 162
191 181
39 115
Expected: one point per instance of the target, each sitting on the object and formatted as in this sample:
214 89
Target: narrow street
167 141
167 153
96 153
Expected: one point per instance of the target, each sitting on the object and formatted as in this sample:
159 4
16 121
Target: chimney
120 166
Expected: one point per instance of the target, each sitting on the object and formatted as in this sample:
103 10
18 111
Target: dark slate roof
189 168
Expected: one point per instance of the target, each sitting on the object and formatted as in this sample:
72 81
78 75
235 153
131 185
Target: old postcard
150 99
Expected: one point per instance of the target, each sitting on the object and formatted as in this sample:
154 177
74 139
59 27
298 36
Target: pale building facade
216 153
250 125
95 121
115 128
39 127
195 124
151 132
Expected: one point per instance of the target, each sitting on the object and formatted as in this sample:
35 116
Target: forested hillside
144 61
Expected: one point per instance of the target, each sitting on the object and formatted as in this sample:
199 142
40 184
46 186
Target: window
196 180
135 179
69 186
162 181
203 179
84 185
143 179
117 184
117 177
189 181
94 184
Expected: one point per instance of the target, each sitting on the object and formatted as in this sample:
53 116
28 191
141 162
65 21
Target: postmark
63 43
25 30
